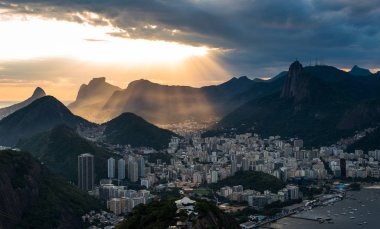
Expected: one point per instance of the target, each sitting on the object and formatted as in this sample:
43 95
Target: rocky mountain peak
141 83
38 93
99 80
358 71
290 87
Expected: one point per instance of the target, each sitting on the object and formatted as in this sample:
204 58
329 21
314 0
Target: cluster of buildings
101 219
135 166
199 160
257 199
354 165
119 198
195 161
123 200
207 160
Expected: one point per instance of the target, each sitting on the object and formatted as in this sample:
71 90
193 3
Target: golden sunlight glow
30 37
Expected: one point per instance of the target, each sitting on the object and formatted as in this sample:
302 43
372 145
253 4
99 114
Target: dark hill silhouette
320 104
59 149
38 93
39 116
130 129
32 197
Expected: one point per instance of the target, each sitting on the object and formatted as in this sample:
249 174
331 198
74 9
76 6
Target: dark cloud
262 36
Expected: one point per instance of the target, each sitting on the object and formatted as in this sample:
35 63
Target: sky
60 45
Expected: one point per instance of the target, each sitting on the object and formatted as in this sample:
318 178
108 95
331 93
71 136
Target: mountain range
319 104
38 93
34 122
163 104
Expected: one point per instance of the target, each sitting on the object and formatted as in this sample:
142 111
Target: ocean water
360 210
6 103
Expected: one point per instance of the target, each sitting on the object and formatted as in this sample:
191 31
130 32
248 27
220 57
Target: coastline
359 208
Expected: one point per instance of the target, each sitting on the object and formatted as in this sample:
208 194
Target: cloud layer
251 37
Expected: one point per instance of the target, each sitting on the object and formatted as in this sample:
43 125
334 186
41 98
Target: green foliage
310 192
210 216
56 198
155 215
56 201
130 129
369 142
59 150
258 181
171 193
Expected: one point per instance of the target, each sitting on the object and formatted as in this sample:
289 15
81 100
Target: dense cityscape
192 163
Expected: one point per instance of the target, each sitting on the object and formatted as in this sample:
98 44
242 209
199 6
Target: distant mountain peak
243 78
97 80
41 115
358 71
38 92
294 74
141 83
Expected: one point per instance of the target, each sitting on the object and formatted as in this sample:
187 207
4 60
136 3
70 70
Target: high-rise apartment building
86 172
111 168
121 169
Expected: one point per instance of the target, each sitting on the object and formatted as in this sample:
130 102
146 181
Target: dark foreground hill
130 129
32 197
39 116
162 214
59 148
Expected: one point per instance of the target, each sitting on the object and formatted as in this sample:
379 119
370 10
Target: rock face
358 71
293 80
39 116
32 197
38 93
92 97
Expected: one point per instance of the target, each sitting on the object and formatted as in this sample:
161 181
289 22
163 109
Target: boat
352 217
